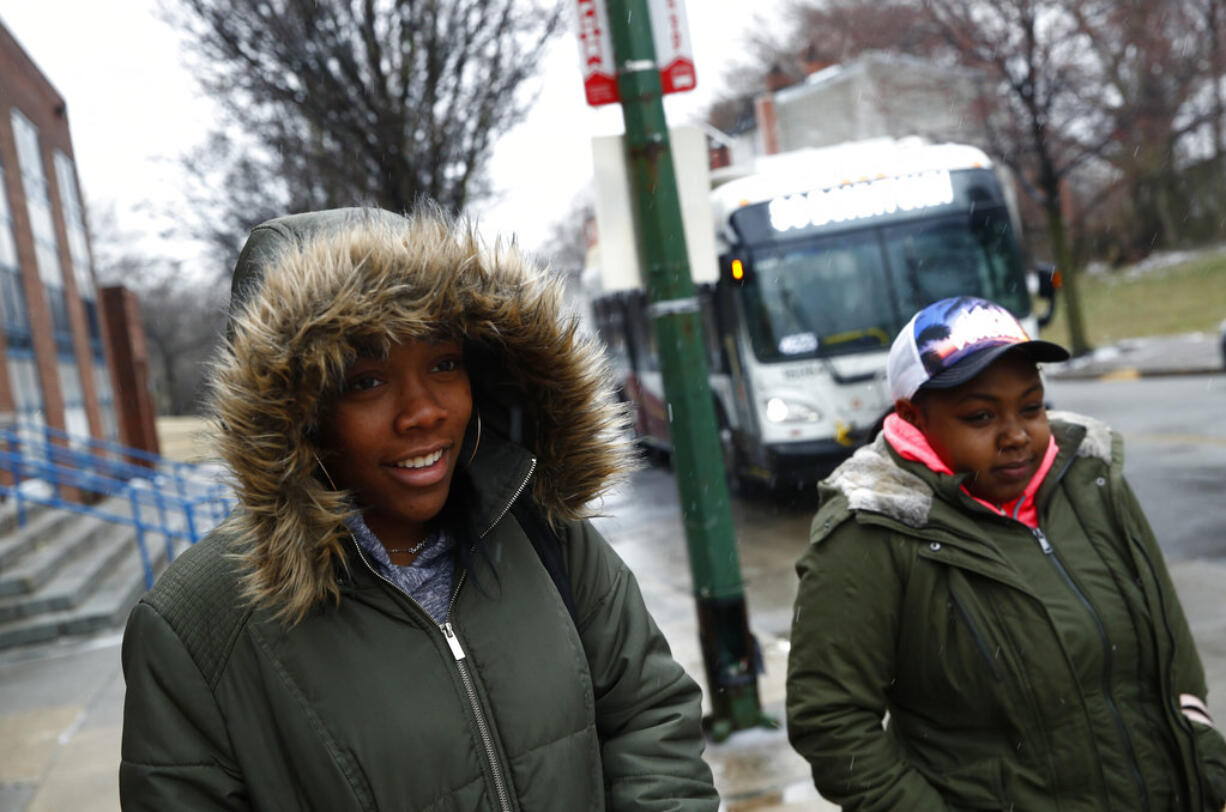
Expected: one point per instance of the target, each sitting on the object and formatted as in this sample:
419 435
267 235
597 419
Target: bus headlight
782 410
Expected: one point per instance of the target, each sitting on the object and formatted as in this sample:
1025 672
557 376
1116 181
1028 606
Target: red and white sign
674 53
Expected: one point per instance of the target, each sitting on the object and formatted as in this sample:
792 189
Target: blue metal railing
113 482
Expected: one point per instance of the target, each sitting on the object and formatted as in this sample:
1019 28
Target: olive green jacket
1020 669
369 704
270 668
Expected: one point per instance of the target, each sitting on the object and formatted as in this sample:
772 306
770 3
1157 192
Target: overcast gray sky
134 108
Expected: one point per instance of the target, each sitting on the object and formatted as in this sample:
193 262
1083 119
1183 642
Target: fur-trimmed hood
872 481
311 289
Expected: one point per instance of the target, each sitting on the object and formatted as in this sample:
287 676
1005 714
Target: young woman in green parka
983 576
373 628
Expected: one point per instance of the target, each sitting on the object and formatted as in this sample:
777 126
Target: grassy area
1189 296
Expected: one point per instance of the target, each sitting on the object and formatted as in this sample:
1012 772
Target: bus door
645 385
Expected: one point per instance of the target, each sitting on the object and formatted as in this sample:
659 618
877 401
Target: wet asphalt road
1174 451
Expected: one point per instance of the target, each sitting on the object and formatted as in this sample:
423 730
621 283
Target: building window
8 247
38 200
95 329
60 323
75 421
13 307
23 373
47 257
74 222
27 393
106 401
82 269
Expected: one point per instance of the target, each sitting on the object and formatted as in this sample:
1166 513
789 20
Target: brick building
57 349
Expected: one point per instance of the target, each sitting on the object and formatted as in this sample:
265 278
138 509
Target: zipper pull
1043 542
453 641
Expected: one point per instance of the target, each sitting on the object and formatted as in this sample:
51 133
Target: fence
177 500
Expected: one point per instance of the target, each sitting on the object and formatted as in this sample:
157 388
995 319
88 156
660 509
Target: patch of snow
36 488
1165 259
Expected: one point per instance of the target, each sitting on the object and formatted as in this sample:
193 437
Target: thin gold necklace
416 548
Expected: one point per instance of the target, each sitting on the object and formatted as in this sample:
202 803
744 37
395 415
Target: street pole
729 650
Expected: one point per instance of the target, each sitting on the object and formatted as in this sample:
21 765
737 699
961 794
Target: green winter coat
1020 669
271 668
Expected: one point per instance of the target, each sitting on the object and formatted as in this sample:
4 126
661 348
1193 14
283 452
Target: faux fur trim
872 481
368 281
1096 443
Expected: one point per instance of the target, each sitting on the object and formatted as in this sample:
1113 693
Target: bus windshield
851 292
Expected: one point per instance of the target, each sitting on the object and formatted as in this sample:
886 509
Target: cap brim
972 365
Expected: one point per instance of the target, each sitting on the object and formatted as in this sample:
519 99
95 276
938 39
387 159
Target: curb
1130 373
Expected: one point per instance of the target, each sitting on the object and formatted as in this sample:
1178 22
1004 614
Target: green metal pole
729 652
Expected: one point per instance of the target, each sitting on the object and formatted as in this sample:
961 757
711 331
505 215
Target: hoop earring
476 443
323 468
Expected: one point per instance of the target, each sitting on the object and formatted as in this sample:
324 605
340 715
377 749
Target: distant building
871 96
56 360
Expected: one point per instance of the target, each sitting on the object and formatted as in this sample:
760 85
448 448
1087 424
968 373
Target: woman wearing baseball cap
983 577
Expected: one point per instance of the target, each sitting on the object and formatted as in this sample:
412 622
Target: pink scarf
911 444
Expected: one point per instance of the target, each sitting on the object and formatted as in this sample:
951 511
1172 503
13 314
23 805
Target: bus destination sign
887 199
856 201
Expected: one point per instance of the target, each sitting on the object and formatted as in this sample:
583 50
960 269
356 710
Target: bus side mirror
1048 277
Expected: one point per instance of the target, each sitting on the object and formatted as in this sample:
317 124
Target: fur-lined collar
872 481
308 289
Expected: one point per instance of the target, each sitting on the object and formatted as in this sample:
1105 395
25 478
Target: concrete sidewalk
1185 354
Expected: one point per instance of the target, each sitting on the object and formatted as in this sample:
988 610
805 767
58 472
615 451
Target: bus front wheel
738 483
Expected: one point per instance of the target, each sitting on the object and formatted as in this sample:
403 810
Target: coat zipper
1050 553
523 484
457 650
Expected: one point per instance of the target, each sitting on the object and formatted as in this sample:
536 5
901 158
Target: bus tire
738 483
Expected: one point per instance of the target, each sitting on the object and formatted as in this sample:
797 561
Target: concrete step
106 607
41 525
8 513
73 581
50 551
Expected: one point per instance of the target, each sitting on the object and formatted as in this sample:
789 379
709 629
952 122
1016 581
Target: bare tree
231 186
566 245
1211 13
1035 105
1152 64
337 102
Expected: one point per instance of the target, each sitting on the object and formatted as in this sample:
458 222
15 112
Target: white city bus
824 255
